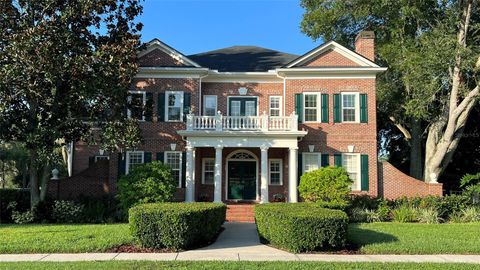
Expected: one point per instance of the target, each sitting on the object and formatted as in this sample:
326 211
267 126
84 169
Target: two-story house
244 123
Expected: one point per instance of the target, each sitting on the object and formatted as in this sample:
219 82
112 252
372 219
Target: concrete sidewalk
239 242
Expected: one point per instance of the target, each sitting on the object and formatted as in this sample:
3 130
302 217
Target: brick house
244 123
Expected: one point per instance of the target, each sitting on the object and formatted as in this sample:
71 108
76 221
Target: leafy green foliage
67 211
21 197
404 214
428 215
176 226
146 183
301 226
327 184
469 214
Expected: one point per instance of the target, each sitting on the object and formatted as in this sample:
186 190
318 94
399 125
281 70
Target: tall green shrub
147 183
329 184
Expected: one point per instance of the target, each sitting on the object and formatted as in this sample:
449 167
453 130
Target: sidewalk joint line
116 255
44 256
176 256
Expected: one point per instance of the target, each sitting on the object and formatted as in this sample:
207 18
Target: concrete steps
240 213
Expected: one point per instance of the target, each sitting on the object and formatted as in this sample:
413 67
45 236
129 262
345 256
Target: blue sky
193 26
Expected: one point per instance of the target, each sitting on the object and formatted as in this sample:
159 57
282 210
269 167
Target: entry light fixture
311 148
351 148
173 146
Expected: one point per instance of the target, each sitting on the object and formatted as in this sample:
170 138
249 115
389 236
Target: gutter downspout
200 93
284 93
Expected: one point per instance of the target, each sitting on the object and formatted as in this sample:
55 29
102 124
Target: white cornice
329 72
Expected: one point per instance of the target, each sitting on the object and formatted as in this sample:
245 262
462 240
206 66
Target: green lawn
142 265
413 238
62 238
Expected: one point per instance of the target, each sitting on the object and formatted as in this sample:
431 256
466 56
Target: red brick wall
395 184
331 58
365 45
158 58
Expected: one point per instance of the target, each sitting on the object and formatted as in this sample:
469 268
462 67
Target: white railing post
264 121
189 121
219 121
294 122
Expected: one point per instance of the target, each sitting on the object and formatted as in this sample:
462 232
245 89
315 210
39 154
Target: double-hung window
350 107
275 105
276 167
311 107
209 105
351 163
208 169
173 159
134 158
250 108
311 161
174 106
136 104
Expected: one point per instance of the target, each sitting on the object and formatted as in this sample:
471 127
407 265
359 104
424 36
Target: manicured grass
413 238
62 238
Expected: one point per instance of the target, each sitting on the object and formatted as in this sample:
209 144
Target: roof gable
159 54
331 54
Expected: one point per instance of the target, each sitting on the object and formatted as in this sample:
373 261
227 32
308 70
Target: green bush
428 215
328 184
404 214
469 214
20 196
147 183
301 226
67 212
176 226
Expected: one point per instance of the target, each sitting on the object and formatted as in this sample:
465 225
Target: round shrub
176 226
329 184
146 183
67 212
301 226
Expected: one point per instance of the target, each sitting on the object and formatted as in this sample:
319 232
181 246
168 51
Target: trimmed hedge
20 196
176 226
301 226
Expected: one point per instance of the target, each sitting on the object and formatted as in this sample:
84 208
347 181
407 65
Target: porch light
242 91
311 148
351 148
101 152
55 174
173 146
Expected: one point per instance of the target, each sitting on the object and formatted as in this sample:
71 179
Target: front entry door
242 180
242 106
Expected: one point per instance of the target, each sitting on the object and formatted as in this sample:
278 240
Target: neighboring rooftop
242 59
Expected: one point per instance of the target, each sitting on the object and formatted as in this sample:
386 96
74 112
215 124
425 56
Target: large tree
65 67
431 50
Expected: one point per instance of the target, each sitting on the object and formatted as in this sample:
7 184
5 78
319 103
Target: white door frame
229 158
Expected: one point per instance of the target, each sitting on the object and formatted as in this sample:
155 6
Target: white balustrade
263 122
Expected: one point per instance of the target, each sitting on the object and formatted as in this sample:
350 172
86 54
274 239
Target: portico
241 161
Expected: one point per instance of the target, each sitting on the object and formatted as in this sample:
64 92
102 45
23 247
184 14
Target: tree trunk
416 142
34 191
45 177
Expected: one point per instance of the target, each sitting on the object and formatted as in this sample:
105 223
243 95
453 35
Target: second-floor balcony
262 122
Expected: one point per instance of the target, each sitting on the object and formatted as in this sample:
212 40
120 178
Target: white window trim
180 160
204 160
204 103
359 170
319 159
127 156
167 93
357 106
256 102
281 172
280 107
319 106
144 101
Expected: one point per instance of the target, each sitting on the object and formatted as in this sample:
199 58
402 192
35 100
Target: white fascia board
215 76
330 71
157 44
338 48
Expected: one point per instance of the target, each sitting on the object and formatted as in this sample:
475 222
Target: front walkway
239 242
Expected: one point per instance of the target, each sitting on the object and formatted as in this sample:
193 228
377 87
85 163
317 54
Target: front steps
240 213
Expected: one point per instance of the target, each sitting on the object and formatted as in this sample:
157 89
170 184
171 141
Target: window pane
210 105
311 115
209 178
235 109
274 106
173 161
350 163
250 109
209 171
174 106
136 106
348 101
310 101
275 173
174 114
349 115
134 159
311 162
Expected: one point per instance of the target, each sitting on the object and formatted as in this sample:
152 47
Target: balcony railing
263 122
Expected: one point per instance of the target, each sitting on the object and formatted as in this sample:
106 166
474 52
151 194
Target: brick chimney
365 44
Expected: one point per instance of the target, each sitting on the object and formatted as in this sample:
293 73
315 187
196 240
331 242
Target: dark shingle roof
242 59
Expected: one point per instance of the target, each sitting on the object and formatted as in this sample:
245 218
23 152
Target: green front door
242 180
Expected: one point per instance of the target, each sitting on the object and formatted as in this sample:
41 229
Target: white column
292 174
264 175
189 179
217 195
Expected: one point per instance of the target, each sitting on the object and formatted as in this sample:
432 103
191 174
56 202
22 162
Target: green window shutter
337 108
184 169
299 166
325 108
148 110
364 172
147 157
338 160
122 164
161 107
325 162
363 108
160 156
299 106
187 104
